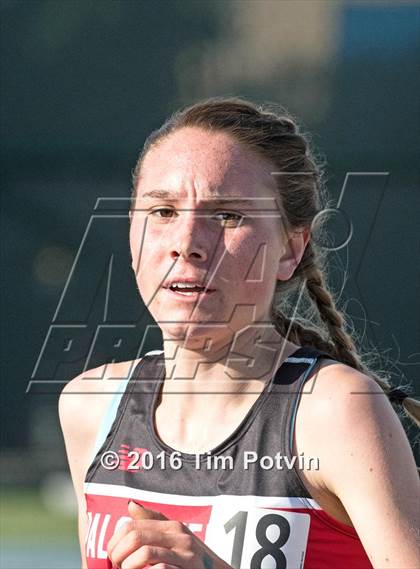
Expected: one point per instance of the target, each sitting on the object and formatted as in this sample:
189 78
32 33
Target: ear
295 248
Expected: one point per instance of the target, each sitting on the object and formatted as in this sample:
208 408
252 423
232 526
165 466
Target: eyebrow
169 196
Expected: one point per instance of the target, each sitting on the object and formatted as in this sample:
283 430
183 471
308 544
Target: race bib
258 538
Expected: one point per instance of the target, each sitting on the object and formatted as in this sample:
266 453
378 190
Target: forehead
192 160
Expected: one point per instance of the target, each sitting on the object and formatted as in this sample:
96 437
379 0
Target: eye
233 218
229 218
162 210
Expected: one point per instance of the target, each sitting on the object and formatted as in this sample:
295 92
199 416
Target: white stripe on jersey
118 491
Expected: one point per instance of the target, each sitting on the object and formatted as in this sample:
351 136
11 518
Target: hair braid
333 318
301 335
344 347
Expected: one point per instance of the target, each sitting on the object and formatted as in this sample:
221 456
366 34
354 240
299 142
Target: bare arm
82 405
77 437
367 462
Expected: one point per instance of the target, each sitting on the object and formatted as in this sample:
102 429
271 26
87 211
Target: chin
192 334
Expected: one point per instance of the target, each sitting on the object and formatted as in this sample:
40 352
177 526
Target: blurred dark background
82 84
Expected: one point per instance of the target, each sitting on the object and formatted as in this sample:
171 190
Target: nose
190 239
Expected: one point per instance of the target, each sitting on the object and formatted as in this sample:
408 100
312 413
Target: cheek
252 259
146 257
135 236
143 243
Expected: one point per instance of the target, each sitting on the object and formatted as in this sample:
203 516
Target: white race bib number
258 538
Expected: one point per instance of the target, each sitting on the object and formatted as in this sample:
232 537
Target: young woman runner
257 437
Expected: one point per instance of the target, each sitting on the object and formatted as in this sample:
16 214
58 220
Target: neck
229 364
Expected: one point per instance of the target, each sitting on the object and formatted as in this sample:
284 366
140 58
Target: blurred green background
82 84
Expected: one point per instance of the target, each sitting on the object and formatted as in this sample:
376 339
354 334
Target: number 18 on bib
258 538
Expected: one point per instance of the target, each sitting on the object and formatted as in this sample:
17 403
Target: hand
150 539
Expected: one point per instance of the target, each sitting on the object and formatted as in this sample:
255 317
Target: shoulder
349 423
100 380
82 406
342 393
337 396
334 383
92 390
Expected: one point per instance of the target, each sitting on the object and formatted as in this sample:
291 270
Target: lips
191 284
189 294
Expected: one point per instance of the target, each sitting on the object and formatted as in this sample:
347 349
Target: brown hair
276 136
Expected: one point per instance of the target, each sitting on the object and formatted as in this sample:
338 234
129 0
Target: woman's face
179 232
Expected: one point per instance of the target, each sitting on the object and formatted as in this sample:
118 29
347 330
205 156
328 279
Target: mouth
191 293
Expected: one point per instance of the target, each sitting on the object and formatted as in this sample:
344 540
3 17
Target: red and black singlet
261 516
